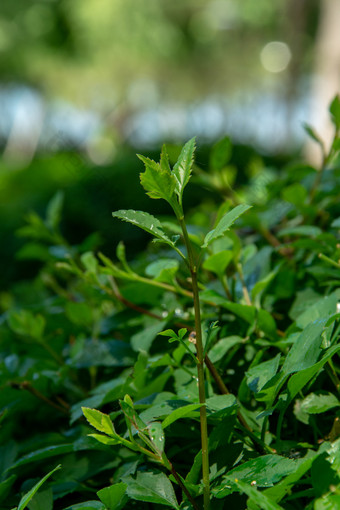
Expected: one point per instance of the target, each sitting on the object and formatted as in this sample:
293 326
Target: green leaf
142 340
336 223
306 349
100 421
300 379
87 505
219 350
164 160
105 439
42 500
323 475
79 313
323 307
182 169
285 486
335 111
311 132
54 210
157 181
145 221
259 375
27 497
301 230
265 471
316 403
220 154
163 270
90 262
157 435
225 223
218 262
328 502
114 497
181 412
259 498
152 488
24 322
295 193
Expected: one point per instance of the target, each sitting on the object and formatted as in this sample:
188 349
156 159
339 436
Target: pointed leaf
225 223
157 182
181 412
99 421
105 439
182 168
27 497
153 488
145 221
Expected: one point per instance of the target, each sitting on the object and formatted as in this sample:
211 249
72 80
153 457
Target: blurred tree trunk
326 80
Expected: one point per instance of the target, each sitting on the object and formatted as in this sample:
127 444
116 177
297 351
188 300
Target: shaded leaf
27 497
153 488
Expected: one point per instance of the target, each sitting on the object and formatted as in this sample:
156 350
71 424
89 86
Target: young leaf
182 168
27 497
225 223
164 160
157 181
152 488
145 221
99 421
105 439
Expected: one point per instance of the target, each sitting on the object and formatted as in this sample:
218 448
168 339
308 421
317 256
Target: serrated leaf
27 497
145 221
157 181
100 421
225 223
152 488
164 160
182 169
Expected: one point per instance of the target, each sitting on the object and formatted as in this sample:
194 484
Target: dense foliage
86 333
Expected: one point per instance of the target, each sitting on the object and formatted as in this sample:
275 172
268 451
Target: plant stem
200 366
182 485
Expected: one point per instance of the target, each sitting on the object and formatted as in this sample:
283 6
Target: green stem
200 366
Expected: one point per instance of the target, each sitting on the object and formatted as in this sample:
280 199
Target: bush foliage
98 360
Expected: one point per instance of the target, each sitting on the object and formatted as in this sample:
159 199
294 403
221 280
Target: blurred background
84 85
